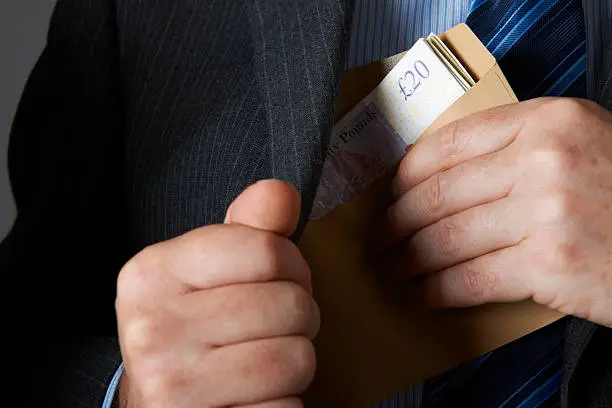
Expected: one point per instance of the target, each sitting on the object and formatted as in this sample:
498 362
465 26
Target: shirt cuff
112 387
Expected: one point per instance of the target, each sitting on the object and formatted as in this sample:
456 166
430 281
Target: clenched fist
222 316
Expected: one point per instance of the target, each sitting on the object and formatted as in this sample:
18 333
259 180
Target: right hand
222 316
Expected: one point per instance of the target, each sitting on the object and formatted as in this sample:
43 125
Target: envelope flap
491 90
464 44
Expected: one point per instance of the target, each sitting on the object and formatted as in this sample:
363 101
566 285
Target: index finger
474 136
208 258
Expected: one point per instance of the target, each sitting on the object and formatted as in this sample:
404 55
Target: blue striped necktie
540 45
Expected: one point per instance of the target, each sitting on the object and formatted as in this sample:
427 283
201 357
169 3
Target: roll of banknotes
376 133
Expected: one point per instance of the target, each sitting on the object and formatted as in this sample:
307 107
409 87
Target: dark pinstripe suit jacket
144 119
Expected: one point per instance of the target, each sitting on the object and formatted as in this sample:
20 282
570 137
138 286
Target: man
143 121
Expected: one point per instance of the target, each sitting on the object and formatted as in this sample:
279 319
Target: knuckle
543 259
568 110
554 209
156 386
141 335
290 361
557 157
293 252
135 275
315 319
297 299
553 251
303 362
477 285
449 236
557 251
433 200
452 141
152 383
303 308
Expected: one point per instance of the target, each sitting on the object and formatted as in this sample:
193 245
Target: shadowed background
23 26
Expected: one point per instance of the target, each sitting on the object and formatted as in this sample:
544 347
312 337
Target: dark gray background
23 26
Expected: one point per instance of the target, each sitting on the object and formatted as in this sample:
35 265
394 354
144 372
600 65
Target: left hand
509 204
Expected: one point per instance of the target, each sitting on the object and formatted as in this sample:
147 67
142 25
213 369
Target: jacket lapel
605 94
219 94
299 59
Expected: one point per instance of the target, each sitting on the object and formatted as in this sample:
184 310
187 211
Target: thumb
269 205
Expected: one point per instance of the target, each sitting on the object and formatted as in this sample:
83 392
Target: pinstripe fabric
598 23
262 72
143 120
382 28
91 363
604 80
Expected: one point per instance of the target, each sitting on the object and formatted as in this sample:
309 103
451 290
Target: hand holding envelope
372 344
506 205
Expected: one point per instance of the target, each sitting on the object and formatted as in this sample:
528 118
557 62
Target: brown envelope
371 345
